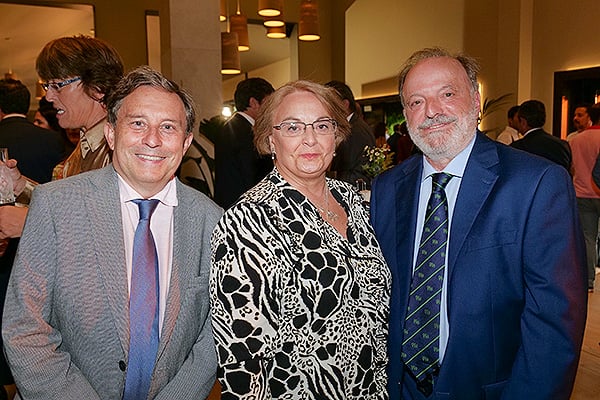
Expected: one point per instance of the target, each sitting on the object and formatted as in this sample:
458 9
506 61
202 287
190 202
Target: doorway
572 88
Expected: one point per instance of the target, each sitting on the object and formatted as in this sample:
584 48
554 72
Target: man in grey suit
67 326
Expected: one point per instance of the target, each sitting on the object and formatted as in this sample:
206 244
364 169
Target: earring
273 155
334 154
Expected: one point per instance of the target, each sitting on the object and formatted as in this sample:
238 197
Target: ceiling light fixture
230 54
273 22
239 24
308 27
223 12
276 32
270 8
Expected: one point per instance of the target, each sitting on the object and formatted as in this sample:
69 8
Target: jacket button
122 365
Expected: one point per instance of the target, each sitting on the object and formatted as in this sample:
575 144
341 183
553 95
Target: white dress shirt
456 168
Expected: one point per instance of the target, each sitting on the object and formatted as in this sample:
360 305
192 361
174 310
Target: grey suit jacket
66 326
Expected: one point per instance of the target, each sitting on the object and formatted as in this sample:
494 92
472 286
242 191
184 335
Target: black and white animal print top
298 311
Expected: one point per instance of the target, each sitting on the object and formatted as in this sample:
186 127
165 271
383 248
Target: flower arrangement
378 160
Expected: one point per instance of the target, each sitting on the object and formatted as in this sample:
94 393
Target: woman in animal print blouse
299 286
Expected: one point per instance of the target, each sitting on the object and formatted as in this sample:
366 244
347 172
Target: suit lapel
105 219
478 180
179 268
407 188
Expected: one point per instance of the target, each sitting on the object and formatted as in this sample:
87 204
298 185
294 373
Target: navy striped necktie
420 347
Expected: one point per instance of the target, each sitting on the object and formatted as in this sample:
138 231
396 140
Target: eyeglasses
325 126
59 85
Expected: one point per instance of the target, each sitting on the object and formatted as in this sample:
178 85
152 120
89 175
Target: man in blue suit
508 297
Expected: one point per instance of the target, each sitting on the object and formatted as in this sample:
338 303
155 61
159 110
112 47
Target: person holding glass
299 286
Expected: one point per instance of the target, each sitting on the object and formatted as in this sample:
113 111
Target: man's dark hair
594 113
534 112
248 88
14 97
345 93
512 111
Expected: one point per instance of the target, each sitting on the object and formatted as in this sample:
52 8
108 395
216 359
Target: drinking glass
7 195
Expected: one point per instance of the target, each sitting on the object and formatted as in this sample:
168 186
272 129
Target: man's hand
19 180
12 220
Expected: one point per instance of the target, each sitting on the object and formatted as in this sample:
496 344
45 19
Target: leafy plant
379 159
491 105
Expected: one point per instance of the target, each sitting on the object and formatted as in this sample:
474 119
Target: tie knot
440 180
146 207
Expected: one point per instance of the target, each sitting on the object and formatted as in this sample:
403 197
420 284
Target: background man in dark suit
532 117
508 296
36 150
238 166
350 154
69 317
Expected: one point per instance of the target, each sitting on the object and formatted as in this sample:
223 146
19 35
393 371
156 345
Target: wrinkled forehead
435 72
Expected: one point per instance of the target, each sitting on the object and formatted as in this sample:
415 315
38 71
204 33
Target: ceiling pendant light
270 8
223 12
230 54
276 32
239 24
272 22
308 27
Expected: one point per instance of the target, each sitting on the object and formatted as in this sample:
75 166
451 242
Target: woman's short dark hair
263 128
95 61
146 76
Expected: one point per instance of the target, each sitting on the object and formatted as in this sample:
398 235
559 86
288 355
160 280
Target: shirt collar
91 139
167 196
531 130
14 115
249 118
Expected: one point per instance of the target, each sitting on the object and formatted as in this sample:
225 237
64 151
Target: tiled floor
587 384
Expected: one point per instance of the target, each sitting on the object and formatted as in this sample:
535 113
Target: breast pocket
496 239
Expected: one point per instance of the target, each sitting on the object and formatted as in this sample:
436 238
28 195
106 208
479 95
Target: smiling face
149 139
75 108
441 108
308 155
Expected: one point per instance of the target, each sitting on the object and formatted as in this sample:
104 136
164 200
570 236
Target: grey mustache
439 119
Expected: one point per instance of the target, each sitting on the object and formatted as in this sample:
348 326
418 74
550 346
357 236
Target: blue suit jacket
516 275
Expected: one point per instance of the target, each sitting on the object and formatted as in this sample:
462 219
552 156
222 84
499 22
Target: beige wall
277 74
123 27
564 38
520 43
381 34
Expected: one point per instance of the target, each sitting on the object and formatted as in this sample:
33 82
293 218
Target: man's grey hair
470 65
